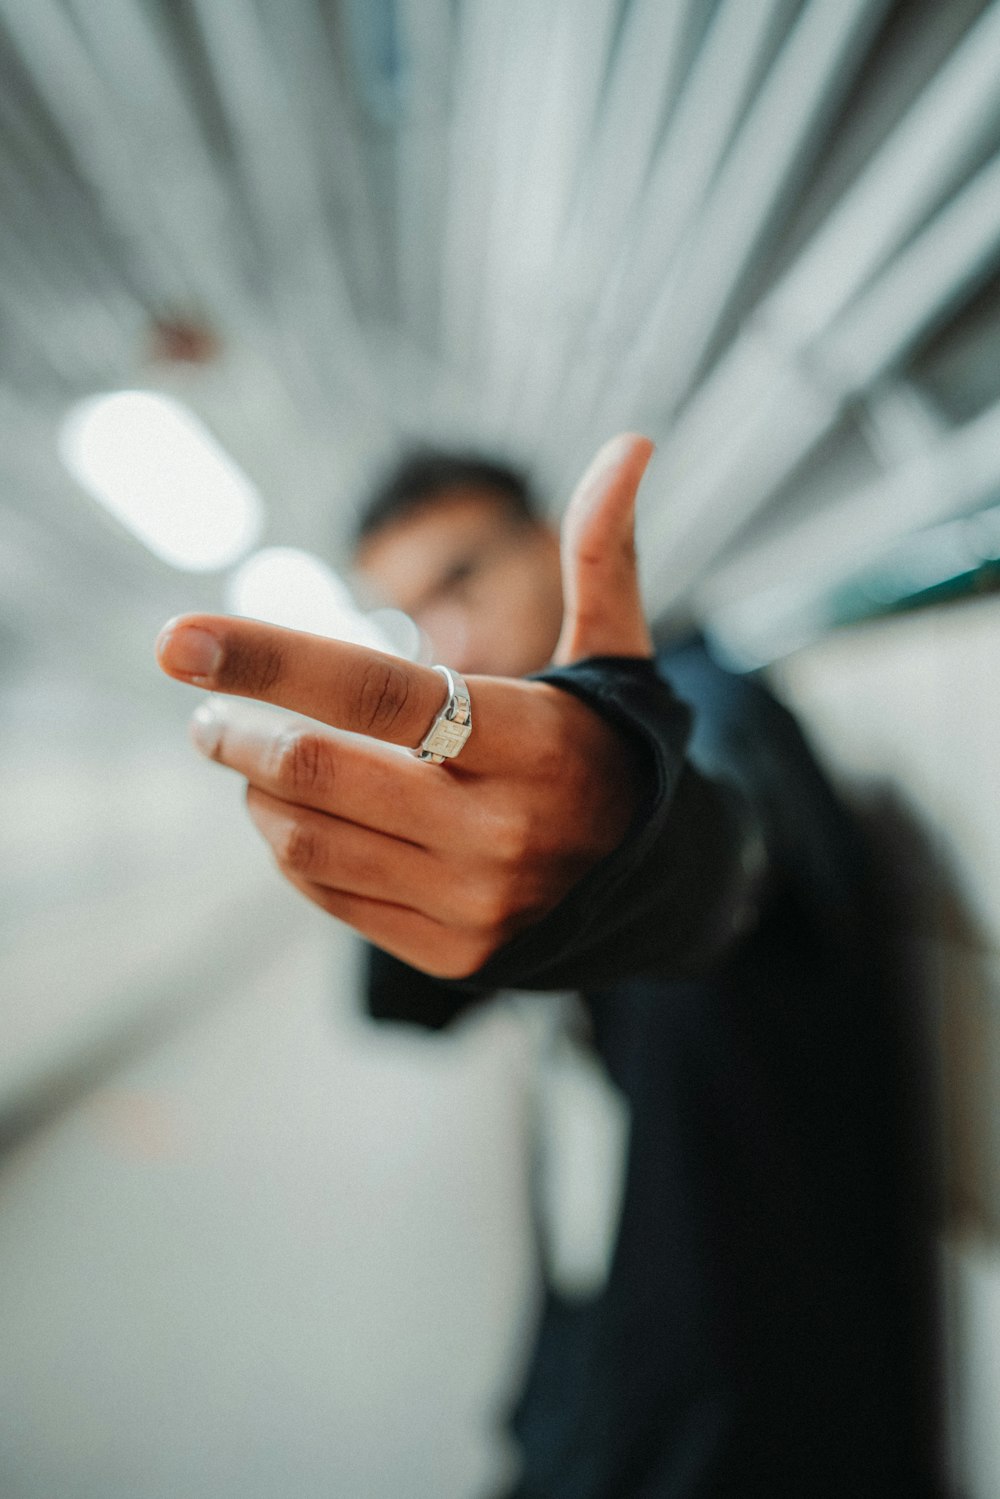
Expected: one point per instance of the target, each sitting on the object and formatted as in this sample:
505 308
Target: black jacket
764 1329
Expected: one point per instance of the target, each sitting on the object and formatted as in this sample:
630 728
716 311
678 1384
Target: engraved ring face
452 724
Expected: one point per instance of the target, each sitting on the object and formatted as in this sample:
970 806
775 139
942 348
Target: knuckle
514 837
555 746
551 757
482 947
571 752
382 694
298 848
255 669
486 907
578 789
495 906
302 764
466 955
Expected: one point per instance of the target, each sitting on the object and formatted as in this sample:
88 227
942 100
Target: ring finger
332 852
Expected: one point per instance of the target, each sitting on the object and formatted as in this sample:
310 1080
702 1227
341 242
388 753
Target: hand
438 865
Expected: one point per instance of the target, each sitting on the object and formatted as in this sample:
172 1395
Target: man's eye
456 577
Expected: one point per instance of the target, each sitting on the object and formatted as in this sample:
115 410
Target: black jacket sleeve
683 883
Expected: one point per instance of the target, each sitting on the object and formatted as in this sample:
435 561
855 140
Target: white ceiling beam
957 476
194 200
932 275
775 404
319 80
614 193
932 149
546 165
421 148
716 488
98 137
781 130
482 83
715 95
620 185
322 345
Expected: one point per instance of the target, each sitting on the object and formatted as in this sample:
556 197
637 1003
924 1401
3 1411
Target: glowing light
289 587
404 636
159 471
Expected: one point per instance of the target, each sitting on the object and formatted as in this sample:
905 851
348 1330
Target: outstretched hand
439 865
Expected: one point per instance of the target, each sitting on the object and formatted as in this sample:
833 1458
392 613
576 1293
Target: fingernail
604 460
617 448
206 729
191 651
607 458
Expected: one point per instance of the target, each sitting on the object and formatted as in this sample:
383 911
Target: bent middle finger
341 855
361 781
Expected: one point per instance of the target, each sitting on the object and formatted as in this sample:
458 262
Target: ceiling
766 232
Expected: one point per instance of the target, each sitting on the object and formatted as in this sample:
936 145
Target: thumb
602 610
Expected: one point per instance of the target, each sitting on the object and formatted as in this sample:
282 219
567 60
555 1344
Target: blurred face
484 586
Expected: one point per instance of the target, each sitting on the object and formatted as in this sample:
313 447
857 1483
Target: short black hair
421 476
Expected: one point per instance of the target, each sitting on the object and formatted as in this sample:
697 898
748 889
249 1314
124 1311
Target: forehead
406 558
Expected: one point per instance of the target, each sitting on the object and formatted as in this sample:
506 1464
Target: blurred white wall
279 1253
911 704
250 1245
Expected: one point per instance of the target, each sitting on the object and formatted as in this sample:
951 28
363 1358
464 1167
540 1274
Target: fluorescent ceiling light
159 471
289 587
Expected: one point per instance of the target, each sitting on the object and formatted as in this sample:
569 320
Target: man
657 837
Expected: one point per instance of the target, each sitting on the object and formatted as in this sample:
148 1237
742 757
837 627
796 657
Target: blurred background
250 1245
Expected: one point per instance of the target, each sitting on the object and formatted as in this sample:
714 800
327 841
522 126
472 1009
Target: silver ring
452 724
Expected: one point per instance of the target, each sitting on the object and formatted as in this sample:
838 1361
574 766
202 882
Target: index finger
347 686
